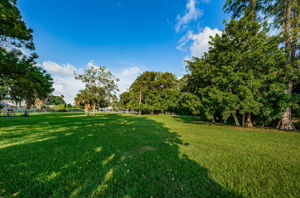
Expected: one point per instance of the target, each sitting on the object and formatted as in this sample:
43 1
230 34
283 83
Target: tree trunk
93 108
236 120
27 110
287 30
296 33
254 9
213 119
86 109
248 120
286 122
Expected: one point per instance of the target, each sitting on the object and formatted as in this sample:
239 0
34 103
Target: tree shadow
108 155
192 119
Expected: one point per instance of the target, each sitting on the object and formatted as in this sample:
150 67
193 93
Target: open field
112 155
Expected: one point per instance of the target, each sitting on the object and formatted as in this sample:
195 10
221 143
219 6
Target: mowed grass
114 155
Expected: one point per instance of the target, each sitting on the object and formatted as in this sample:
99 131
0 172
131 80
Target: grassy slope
69 155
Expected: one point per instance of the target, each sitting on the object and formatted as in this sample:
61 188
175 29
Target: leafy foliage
152 92
20 78
55 100
13 29
240 73
240 8
100 88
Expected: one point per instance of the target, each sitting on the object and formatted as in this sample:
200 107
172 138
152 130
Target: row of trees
20 77
241 75
285 17
157 92
152 92
247 77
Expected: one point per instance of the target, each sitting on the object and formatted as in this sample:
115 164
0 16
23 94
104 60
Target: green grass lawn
112 155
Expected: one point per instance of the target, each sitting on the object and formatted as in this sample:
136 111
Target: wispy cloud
131 71
192 13
194 43
55 68
127 76
197 43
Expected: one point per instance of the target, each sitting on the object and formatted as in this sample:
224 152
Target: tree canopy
100 88
20 77
55 100
240 74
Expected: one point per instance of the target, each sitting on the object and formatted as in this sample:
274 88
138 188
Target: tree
20 78
34 83
100 88
55 100
240 74
286 14
125 99
188 104
83 99
152 92
13 29
240 8
14 35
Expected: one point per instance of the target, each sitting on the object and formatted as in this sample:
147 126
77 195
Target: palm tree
83 98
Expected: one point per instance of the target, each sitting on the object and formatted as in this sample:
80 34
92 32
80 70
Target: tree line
247 77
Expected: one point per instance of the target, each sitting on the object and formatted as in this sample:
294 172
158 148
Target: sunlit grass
111 155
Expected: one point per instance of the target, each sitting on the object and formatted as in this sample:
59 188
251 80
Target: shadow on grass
69 155
192 120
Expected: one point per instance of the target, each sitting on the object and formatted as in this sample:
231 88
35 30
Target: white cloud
92 64
57 69
192 13
64 81
198 41
131 71
127 77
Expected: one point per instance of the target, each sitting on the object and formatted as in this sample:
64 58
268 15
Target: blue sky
126 36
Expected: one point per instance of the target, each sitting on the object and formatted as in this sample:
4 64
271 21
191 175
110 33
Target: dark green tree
152 92
240 74
286 15
33 83
55 100
13 30
14 35
240 8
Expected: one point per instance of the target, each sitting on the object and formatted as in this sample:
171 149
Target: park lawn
114 155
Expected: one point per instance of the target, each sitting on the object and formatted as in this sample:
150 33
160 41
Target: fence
12 111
